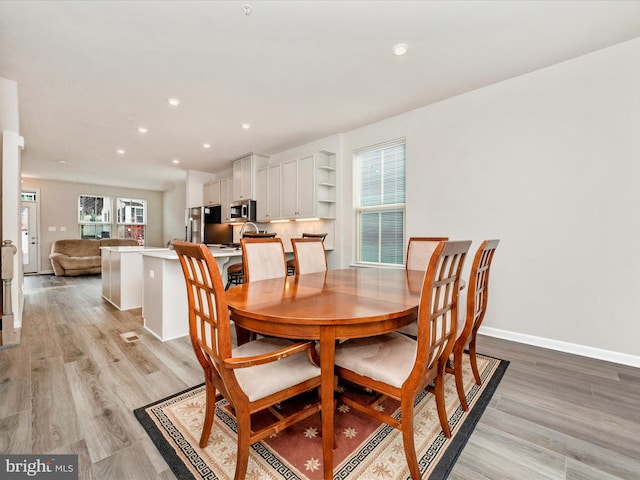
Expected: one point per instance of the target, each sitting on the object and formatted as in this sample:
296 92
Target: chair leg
440 404
407 439
472 356
209 413
244 435
457 371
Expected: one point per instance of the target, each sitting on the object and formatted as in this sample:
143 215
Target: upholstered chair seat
260 381
386 358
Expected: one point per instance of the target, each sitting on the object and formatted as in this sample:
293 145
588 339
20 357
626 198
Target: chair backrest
419 251
478 289
263 258
309 255
209 325
438 311
321 236
259 235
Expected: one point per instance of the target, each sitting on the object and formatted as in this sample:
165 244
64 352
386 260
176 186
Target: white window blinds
380 203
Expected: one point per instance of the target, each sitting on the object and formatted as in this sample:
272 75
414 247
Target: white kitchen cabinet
211 193
243 176
298 189
268 183
226 187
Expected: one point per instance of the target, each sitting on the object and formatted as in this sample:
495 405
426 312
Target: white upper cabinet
298 188
268 183
211 193
226 186
243 176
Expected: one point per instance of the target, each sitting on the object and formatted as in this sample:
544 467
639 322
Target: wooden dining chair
252 377
419 251
476 307
291 264
263 258
309 255
397 366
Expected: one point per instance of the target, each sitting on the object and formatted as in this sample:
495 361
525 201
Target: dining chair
291 264
399 367
419 251
309 255
235 271
263 258
476 307
252 377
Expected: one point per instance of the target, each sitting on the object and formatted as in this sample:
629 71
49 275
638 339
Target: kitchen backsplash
288 230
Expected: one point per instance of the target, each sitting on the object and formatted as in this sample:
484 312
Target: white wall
11 144
549 163
173 213
194 190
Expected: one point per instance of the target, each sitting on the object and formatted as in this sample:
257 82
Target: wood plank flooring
73 382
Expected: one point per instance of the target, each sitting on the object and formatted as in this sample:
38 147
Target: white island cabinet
122 275
164 296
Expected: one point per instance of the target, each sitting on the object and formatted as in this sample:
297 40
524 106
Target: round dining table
327 306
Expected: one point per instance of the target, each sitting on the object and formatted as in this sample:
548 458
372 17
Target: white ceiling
90 73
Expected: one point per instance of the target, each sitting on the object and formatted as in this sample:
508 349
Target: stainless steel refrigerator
203 225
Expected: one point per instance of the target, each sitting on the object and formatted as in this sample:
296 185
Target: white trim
574 348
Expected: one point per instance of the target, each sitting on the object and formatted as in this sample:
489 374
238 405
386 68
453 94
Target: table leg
327 354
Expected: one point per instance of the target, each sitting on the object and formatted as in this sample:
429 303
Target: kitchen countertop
216 250
136 248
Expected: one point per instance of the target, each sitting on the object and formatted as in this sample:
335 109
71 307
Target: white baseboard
576 349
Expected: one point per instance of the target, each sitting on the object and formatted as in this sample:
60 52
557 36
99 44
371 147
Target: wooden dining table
328 306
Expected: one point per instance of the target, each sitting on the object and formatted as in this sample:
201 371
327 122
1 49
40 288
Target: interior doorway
29 235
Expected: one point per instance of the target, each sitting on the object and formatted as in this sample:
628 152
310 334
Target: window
132 218
94 216
380 203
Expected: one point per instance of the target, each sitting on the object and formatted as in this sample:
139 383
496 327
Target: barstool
291 265
235 275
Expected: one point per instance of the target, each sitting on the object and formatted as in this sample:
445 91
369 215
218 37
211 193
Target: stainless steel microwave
243 211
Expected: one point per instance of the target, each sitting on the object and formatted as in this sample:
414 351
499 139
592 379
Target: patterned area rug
367 450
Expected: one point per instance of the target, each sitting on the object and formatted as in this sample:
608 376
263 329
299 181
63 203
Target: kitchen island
164 297
121 275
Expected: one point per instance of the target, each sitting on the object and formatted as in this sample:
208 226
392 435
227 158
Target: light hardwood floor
73 382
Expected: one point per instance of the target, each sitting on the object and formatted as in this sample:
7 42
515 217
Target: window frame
131 200
380 208
124 227
103 224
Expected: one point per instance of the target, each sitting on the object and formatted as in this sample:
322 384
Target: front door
29 237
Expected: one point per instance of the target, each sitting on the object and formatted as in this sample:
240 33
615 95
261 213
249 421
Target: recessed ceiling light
247 9
175 161
246 126
206 145
174 102
143 129
62 162
400 49
121 151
